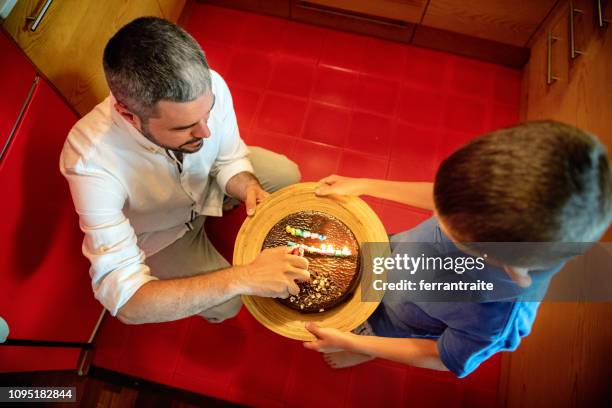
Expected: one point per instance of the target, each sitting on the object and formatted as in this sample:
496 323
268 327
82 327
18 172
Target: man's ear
519 275
132 118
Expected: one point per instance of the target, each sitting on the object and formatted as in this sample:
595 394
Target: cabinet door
595 78
68 44
558 99
16 80
45 290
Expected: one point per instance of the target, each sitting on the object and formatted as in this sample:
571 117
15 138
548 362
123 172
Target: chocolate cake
333 255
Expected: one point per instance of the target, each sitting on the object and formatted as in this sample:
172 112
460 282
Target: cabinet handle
601 21
572 11
550 78
24 106
37 19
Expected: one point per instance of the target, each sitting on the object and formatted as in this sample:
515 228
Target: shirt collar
130 129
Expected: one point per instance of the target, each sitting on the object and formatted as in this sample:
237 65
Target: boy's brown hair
540 181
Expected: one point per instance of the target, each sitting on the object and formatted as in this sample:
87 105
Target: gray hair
151 59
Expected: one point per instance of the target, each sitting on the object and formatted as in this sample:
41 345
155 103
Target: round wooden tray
353 211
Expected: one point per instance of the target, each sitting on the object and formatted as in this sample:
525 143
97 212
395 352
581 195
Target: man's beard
181 149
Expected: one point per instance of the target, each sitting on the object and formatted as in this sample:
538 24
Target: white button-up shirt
134 199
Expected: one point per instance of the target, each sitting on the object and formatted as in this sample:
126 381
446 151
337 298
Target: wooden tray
354 212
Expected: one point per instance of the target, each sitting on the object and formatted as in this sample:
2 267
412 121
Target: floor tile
465 114
426 68
293 77
327 124
218 57
281 114
344 50
325 386
421 107
211 356
273 141
218 24
384 58
370 134
376 385
502 116
507 86
246 102
266 381
472 78
304 41
399 217
353 164
250 68
335 86
427 392
376 95
263 33
316 160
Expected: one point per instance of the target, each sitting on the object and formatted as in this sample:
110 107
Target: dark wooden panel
466 45
351 21
279 8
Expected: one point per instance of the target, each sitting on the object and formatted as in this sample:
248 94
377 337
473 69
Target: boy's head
540 181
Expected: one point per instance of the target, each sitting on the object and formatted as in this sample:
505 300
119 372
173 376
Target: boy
536 182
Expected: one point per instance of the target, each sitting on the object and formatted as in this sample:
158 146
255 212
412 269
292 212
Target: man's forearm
416 194
173 299
415 352
237 185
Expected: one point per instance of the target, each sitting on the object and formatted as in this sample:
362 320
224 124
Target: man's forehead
171 109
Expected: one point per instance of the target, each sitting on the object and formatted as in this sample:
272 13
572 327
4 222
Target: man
148 164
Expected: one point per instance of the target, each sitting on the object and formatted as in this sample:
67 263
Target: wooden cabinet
508 22
67 46
566 359
554 96
45 290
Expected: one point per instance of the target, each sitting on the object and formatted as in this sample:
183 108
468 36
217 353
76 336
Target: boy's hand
340 185
328 340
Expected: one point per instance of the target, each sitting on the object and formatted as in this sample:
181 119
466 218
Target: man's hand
254 195
245 187
273 273
328 340
341 185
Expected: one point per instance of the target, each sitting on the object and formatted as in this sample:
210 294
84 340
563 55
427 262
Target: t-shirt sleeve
117 263
462 353
499 326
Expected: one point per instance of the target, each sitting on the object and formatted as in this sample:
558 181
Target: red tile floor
335 103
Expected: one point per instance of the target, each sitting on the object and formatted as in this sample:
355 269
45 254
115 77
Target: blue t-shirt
468 333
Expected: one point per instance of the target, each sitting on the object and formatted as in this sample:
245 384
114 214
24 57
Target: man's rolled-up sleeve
233 152
117 263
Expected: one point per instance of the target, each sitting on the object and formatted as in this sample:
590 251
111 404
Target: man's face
180 126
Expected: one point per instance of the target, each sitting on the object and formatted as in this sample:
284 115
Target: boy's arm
416 194
415 352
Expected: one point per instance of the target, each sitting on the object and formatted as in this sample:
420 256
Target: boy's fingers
323 190
329 179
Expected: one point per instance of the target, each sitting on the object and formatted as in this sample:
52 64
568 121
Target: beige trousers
193 254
